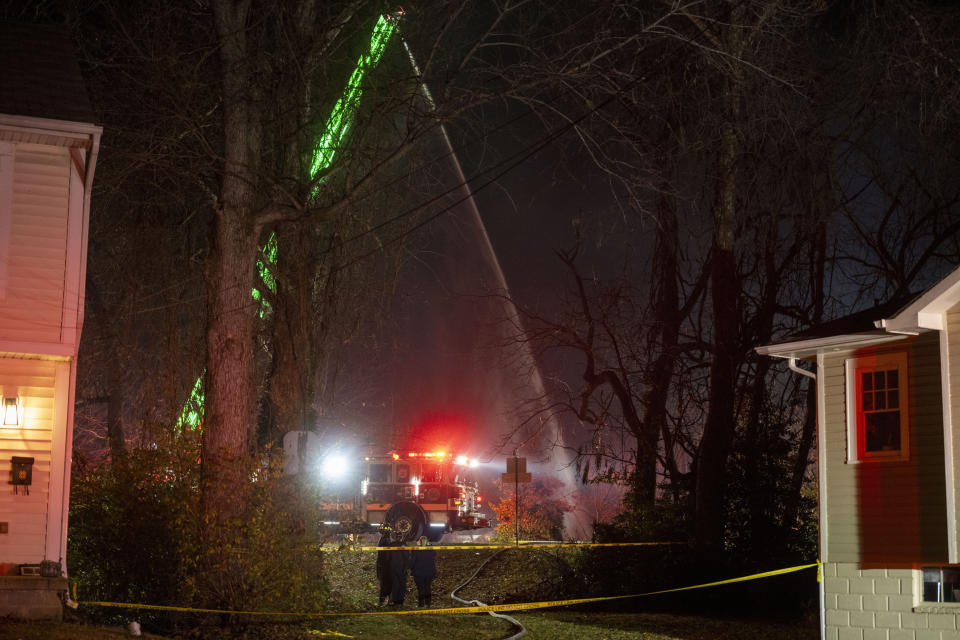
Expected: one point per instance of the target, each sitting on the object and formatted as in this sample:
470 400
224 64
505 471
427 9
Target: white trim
953 553
47 125
850 411
61 434
67 463
896 359
37 350
810 348
822 457
85 231
931 320
926 311
69 330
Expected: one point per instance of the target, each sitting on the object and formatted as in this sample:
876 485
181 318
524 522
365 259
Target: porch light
11 412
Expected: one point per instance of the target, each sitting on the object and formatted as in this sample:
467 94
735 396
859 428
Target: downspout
71 395
792 363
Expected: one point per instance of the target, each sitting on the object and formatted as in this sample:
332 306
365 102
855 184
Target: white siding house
888 389
48 150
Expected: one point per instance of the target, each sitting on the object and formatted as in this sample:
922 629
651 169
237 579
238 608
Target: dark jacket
423 563
399 562
383 559
383 565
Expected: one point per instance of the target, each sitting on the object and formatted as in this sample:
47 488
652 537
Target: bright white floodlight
335 466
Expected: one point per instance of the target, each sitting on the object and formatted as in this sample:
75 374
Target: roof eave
812 347
926 312
63 132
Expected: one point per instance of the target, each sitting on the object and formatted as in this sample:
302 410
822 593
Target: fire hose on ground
477 603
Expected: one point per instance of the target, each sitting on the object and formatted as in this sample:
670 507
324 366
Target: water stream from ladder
485 365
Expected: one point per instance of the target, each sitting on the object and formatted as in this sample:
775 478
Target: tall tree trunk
664 344
115 403
760 522
230 273
718 430
230 404
293 381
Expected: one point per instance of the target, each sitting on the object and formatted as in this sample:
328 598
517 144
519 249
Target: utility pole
516 495
516 473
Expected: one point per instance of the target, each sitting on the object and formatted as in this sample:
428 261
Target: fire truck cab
420 493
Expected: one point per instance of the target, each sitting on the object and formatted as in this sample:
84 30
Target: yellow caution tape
519 606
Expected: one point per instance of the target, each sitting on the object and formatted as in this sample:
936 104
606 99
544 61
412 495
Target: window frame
942 597
856 422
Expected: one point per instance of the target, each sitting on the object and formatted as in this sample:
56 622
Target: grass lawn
569 625
513 576
553 625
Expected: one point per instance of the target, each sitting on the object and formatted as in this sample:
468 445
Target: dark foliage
137 535
130 528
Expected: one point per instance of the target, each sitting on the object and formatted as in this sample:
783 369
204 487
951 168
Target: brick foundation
882 604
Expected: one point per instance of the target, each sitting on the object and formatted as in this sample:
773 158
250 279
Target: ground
513 576
559 625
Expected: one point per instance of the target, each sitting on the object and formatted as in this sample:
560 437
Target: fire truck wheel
406 520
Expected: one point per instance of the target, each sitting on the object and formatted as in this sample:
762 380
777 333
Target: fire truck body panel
418 493
434 482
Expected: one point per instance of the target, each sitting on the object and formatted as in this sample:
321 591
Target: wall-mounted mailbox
21 474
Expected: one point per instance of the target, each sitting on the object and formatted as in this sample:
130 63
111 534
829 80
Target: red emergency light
423 454
437 455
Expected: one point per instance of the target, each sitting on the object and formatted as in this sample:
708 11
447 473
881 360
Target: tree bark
293 380
760 522
115 402
718 429
229 407
664 344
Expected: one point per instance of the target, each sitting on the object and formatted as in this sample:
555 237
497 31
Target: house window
941 584
877 407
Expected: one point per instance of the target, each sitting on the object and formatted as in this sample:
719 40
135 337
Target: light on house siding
11 412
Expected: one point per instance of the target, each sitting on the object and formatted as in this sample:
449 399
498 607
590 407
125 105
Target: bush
635 570
267 560
126 530
541 511
136 535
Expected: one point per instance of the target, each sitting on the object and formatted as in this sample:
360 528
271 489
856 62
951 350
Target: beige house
888 390
48 151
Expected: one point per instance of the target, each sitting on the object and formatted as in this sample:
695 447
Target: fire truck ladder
338 124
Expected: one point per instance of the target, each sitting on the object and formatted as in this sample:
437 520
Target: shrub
541 511
137 535
127 530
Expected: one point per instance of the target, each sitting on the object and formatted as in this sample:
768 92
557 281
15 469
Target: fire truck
420 493
408 495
